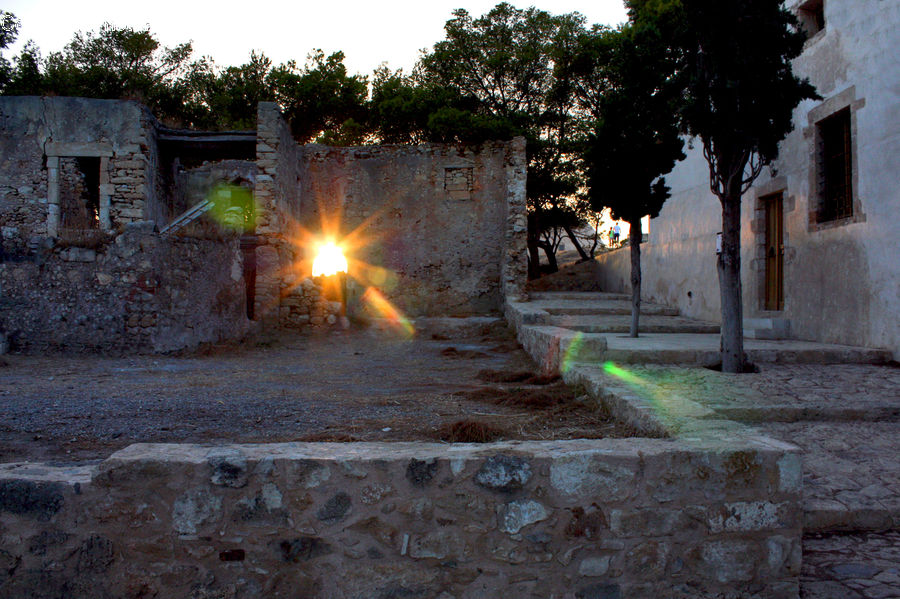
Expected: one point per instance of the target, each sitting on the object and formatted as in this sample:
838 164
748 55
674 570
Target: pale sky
368 32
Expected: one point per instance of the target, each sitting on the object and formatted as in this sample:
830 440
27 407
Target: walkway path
840 404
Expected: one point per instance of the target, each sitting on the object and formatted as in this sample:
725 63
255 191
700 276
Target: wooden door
774 252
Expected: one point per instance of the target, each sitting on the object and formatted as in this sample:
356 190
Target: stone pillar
514 268
106 192
53 196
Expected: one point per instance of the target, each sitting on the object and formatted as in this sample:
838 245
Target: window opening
812 16
79 193
835 168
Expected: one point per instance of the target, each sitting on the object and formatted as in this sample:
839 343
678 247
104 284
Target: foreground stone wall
611 519
135 292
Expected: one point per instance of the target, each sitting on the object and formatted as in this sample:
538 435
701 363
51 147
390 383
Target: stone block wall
276 202
134 293
437 229
611 518
36 133
193 185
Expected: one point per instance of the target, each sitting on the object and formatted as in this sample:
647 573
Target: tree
501 67
9 31
25 77
115 62
739 96
635 139
322 102
226 98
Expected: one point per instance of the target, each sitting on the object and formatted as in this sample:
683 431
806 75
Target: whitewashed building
821 229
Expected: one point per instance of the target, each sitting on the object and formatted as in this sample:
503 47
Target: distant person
610 236
616 231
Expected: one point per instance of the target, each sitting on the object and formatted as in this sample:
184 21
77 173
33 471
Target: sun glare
330 260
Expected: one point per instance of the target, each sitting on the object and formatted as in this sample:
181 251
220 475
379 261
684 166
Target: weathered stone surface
504 473
32 499
303 549
440 544
421 472
518 514
293 528
229 469
335 508
594 566
193 509
584 474
599 591
730 561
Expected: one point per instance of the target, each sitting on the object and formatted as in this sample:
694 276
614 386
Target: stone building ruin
108 242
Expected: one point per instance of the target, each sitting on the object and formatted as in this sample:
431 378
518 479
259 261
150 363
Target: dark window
812 16
835 167
79 193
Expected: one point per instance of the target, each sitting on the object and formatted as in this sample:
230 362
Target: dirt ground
356 385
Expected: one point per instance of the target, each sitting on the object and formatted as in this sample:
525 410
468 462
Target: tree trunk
729 269
551 255
581 252
636 237
533 237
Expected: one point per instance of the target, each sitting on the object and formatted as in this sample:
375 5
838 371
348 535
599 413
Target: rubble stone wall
277 199
437 229
133 293
193 185
36 132
622 519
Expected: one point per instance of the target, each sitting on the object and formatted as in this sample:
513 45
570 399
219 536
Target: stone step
767 328
704 350
602 307
621 323
554 348
850 515
578 295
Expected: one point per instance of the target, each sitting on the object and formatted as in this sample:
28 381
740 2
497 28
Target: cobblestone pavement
851 472
851 566
786 392
846 419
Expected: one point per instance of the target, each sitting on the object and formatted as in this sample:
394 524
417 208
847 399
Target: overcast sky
368 32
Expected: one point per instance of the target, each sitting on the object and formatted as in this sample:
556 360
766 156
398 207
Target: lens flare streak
386 310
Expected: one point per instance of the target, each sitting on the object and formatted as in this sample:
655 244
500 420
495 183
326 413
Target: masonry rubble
444 226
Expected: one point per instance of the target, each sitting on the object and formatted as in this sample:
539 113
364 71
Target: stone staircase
598 324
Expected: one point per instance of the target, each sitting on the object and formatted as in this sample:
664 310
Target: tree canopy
739 94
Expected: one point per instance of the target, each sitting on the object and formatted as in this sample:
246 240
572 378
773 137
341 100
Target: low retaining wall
586 519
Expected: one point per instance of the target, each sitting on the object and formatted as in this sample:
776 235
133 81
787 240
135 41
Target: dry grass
547 397
471 431
521 376
471 354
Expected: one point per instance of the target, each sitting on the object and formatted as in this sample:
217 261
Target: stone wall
35 133
134 292
611 518
277 200
840 277
437 229
193 185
